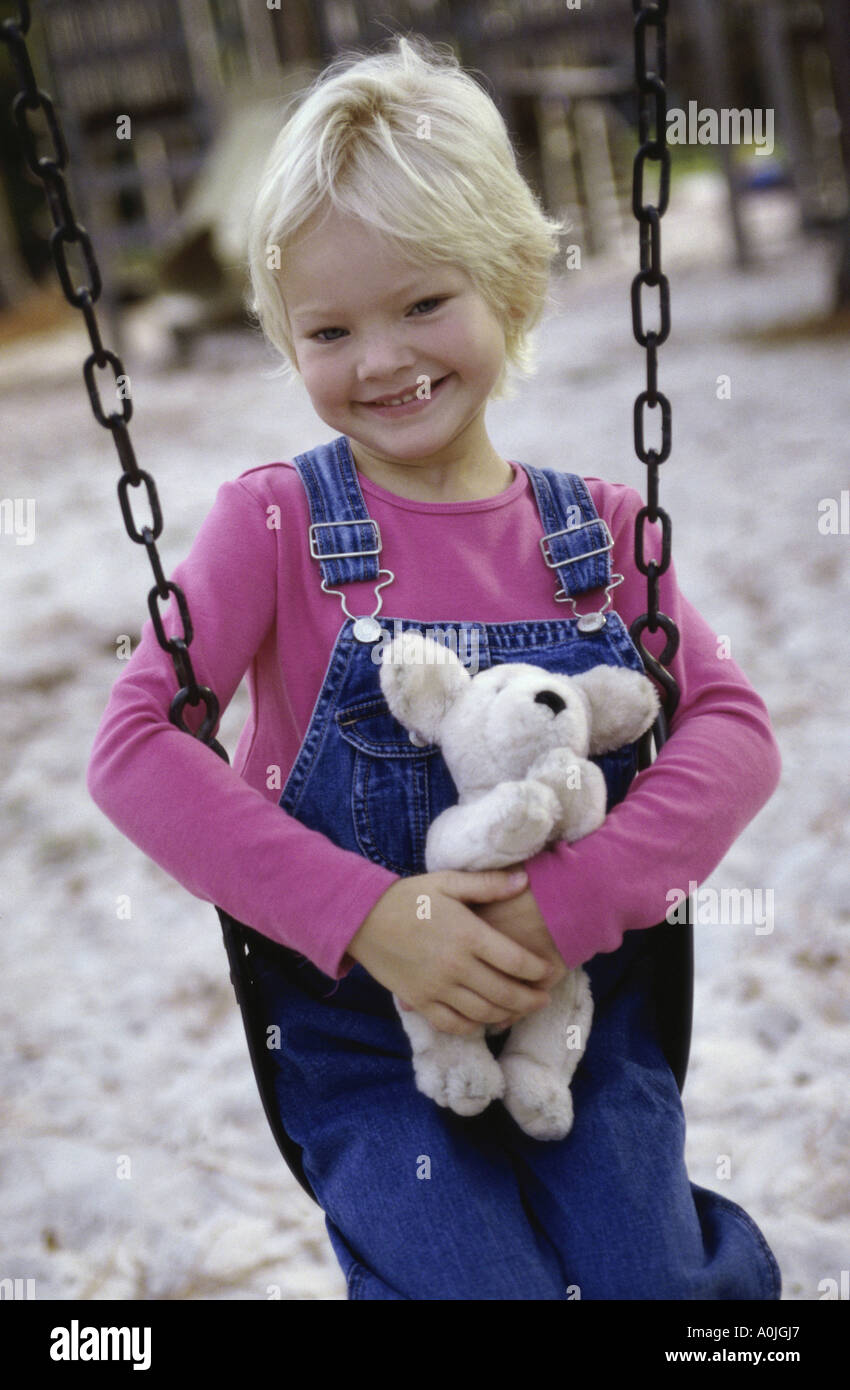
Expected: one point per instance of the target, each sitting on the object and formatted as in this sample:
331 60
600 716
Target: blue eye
434 300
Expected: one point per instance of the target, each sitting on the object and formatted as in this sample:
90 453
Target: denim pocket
397 787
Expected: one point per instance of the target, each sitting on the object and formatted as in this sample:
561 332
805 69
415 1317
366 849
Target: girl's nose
384 361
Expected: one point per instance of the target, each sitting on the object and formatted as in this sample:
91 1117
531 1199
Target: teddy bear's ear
421 679
623 705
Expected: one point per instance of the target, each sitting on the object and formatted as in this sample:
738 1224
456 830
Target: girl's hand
421 942
519 918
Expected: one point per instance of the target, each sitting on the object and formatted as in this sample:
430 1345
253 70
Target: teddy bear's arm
580 788
506 825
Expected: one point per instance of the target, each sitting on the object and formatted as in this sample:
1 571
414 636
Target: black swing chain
84 297
674 960
652 134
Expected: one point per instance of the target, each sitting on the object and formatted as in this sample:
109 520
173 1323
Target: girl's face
370 325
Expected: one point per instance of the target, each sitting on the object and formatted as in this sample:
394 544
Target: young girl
399 262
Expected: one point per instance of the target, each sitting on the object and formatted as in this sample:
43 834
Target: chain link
652 135
67 231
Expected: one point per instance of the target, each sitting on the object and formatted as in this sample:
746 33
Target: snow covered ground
136 1160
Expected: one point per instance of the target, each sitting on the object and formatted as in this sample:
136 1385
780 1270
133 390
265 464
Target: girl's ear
623 704
421 679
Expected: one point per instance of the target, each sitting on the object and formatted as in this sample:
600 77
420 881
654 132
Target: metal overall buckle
365 627
587 622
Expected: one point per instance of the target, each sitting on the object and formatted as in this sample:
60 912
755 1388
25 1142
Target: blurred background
136 1162
203 80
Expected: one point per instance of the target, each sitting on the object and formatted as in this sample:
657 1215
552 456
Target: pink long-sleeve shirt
256 606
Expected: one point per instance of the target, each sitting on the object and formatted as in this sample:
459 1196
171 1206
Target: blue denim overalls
421 1203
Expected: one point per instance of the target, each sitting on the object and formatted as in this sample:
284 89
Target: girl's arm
182 805
680 816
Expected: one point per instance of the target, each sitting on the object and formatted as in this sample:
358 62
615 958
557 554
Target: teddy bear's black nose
548 697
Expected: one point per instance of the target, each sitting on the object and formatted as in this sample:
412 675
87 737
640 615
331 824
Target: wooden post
296 26
202 51
777 70
837 16
604 222
260 47
15 280
558 156
708 15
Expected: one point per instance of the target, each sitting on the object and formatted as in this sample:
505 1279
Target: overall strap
576 542
343 537
346 541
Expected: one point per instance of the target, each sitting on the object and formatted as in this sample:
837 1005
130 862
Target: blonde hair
410 144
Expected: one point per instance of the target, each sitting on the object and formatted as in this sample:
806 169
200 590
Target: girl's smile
411 406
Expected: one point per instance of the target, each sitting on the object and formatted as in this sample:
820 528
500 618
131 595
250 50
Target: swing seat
237 942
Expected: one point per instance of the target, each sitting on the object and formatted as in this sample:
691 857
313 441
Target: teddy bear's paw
528 819
556 768
466 1084
537 1098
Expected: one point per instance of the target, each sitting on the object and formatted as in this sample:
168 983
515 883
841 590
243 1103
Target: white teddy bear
516 740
